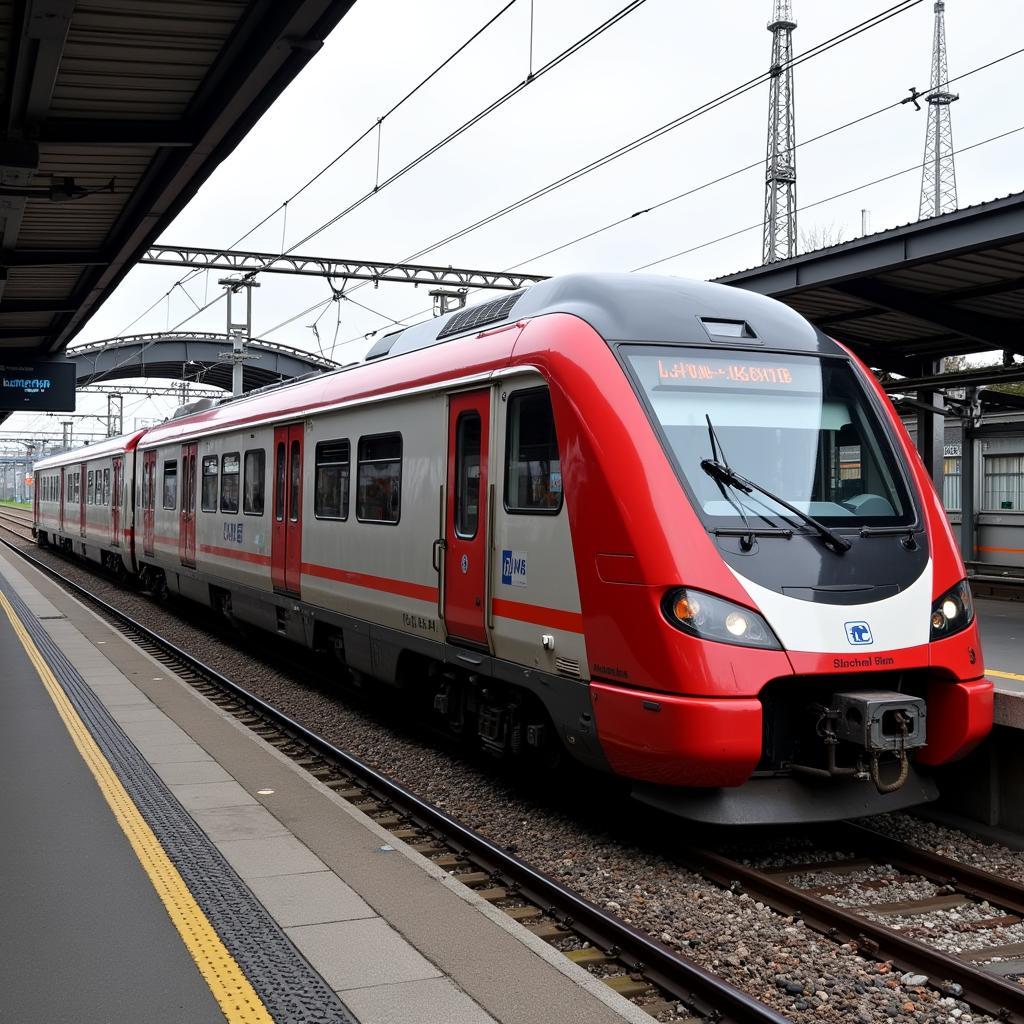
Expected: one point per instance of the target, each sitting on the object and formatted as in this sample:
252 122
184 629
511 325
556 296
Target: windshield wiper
723 474
747 537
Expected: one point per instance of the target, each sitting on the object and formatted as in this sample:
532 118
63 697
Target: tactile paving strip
291 990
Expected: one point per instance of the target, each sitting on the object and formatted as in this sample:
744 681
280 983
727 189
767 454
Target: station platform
1002 638
982 792
163 863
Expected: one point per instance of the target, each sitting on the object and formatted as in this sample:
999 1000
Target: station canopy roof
906 297
114 112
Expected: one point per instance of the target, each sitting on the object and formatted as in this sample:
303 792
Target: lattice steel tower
938 176
780 166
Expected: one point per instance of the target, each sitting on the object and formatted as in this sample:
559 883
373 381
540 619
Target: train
665 528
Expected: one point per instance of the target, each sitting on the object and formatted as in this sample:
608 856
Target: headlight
952 612
712 618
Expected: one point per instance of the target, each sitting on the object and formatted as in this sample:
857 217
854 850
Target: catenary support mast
938 175
780 167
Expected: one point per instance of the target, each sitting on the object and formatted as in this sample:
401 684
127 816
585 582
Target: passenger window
106 487
171 484
330 500
209 494
90 491
296 482
255 482
229 468
533 472
279 478
467 478
379 479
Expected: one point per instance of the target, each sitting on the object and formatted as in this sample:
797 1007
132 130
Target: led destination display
738 373
29 386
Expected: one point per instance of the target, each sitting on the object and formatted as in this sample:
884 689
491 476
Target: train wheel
159 588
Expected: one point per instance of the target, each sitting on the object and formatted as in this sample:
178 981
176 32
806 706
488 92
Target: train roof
627 307
620 307
108 446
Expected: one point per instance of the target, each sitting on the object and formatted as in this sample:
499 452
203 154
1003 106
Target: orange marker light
686 608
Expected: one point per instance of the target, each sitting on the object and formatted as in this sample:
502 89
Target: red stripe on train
572 622
358 579
242 556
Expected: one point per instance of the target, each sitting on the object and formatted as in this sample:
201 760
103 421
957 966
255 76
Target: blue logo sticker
859 633
513 568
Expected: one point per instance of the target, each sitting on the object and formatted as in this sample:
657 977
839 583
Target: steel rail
711 996
970 881
996 996
8 522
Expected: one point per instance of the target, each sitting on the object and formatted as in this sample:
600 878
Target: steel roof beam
14 333
53 258
981 376
239 261
36 52
25 307
981 291
34 56
998 223
88 131
929 308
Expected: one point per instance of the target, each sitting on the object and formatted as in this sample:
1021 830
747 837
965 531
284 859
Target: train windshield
799 426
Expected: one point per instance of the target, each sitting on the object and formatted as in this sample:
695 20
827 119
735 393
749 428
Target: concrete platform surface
392 934
85 937
1001 624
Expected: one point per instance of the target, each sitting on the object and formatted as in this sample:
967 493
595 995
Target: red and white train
666 527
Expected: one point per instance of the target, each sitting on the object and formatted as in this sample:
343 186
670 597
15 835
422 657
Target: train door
465 570
148 502
63 498
187 515
115 502
286 538
81 501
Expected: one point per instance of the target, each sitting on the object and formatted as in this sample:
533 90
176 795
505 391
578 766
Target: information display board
37 386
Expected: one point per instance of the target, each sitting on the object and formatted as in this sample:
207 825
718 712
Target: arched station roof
191 355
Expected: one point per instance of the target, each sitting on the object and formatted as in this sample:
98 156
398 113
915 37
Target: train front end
804 645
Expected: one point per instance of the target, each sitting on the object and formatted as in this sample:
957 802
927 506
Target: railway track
664 984
980 976
629 961
16 522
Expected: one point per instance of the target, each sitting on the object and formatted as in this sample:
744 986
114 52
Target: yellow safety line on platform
228 984
1003 675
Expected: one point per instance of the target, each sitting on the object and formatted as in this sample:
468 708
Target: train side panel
86 505
536 600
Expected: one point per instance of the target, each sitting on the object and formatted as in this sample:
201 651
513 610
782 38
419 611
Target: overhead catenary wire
827 199
475 119
342 153
900 7
564 55
705 108
693 190
756 164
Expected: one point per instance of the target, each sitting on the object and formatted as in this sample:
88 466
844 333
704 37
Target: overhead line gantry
244 262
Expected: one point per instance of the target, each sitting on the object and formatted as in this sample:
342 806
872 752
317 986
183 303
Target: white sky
664 59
